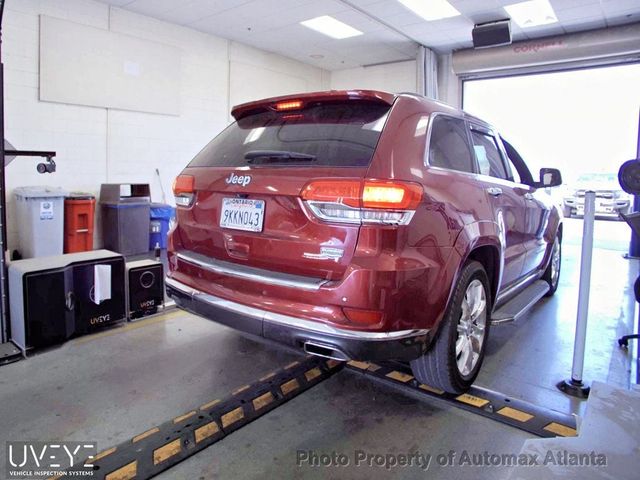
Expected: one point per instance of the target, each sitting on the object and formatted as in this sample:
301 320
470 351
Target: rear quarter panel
434 241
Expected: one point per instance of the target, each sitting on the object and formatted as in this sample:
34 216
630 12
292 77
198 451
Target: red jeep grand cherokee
364 225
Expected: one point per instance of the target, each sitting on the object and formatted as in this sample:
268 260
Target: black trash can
125 217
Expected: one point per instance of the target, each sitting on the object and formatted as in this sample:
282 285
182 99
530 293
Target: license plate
604 207
242 214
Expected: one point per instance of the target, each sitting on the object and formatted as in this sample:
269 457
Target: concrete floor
111 386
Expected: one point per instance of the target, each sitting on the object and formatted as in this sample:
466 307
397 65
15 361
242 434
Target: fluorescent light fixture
331 27
532 13
431 9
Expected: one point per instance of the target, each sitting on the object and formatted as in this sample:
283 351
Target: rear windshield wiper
277 155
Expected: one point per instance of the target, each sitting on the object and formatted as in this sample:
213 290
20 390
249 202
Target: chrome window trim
250 273
294 322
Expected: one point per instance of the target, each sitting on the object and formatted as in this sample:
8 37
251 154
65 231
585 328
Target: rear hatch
246 206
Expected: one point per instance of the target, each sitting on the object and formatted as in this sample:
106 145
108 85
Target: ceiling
391 31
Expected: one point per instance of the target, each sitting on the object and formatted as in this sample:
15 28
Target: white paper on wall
85 65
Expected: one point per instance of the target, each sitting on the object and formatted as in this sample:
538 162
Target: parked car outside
611 200
363 225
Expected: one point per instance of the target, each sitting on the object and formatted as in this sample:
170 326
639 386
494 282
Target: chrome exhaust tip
325 351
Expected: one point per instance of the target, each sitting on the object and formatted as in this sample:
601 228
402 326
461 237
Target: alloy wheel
471 327
555 262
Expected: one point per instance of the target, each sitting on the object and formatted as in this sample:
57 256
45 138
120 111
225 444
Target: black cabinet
55 298
45 305
145 287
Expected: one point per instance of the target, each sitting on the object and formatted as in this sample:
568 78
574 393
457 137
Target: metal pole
638 139
585 285
575 386
4 290
634 244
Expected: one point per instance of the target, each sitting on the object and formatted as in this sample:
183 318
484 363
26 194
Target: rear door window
341 134
449 144
487 154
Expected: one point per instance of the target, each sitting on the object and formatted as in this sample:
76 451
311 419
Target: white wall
98 145
392 77
259 74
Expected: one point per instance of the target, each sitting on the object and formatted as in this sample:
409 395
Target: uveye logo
30 460
238 179
100 319
148 303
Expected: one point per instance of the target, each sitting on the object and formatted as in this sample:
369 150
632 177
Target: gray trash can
125 217
40 218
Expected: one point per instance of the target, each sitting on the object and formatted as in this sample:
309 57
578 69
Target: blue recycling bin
160 216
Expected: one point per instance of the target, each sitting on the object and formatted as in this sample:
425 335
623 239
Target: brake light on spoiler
387 202
299 102
288 105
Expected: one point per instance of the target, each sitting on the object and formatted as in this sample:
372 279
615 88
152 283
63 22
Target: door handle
494 191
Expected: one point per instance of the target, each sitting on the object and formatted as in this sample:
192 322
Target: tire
439 366
552 276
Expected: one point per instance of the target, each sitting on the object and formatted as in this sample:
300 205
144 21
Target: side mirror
549 177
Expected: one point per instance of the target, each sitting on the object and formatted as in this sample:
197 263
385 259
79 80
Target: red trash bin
78 222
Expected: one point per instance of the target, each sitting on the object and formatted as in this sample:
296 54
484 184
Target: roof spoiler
245 109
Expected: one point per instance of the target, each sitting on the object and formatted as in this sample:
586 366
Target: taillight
388 202
183 190
391 195
346 192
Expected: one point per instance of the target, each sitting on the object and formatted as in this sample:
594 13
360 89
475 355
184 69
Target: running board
520 304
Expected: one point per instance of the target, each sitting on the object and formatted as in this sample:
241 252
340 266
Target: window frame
471 124
490 132
432 119
524 167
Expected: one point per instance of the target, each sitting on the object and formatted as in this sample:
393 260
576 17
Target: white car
610 198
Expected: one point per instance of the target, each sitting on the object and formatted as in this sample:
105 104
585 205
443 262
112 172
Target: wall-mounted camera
48 167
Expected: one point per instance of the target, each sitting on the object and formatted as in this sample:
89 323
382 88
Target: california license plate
242 214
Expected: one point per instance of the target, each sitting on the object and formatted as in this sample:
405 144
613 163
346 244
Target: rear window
322 134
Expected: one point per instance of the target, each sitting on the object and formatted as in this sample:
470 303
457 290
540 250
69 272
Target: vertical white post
575 386
584 287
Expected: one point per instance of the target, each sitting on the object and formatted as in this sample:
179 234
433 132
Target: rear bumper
319 338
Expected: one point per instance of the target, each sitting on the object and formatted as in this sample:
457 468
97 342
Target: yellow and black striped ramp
526 416
161 447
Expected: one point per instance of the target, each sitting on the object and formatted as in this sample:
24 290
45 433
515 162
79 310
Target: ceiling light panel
331 27
431 9
532 13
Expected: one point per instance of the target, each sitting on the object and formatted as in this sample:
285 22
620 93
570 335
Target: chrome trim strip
507 293
250 273
286 320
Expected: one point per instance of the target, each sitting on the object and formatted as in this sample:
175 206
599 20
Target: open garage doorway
584 122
